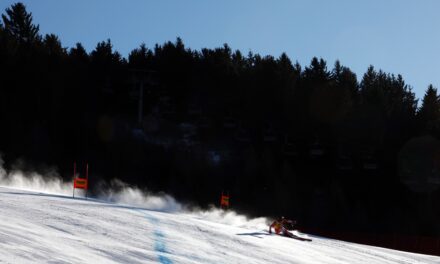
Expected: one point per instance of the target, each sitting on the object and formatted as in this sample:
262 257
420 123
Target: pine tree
104 55
429 113
371 93
140 58
346 79
78 53
18 24
53 46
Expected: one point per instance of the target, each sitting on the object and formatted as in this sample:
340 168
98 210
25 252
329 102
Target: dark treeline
313 143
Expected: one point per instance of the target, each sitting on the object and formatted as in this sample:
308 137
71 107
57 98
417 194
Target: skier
281 226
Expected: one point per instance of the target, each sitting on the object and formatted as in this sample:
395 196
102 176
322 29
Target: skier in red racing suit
280 227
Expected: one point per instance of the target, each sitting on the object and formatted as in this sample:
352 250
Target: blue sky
397 36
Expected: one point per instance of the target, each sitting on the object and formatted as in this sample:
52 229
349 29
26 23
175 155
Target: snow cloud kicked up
231 218
115 192
121 193
50 183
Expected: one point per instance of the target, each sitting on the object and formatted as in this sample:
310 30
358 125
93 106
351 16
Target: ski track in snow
43 228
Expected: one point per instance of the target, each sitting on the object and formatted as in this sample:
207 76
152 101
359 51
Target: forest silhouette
312 143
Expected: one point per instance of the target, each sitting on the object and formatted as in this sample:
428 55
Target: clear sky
397 36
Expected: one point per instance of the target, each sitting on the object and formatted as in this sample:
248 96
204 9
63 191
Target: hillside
50 228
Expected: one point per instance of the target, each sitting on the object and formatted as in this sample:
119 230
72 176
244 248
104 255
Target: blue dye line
159 246
159 242
159 234
164 260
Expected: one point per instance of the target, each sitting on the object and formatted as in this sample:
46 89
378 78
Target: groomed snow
46 228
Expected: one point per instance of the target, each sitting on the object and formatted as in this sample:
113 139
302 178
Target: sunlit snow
48 228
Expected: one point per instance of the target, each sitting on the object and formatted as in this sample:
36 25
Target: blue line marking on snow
160 246
159 234
159 242
164 260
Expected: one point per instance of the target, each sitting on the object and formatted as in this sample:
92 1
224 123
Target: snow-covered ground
47 228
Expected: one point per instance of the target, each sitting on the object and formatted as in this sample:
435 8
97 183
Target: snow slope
47 228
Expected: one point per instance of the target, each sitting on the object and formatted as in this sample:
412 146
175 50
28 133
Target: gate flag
80 183
224 201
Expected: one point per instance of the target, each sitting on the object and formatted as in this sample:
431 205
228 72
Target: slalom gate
224 201
80 183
